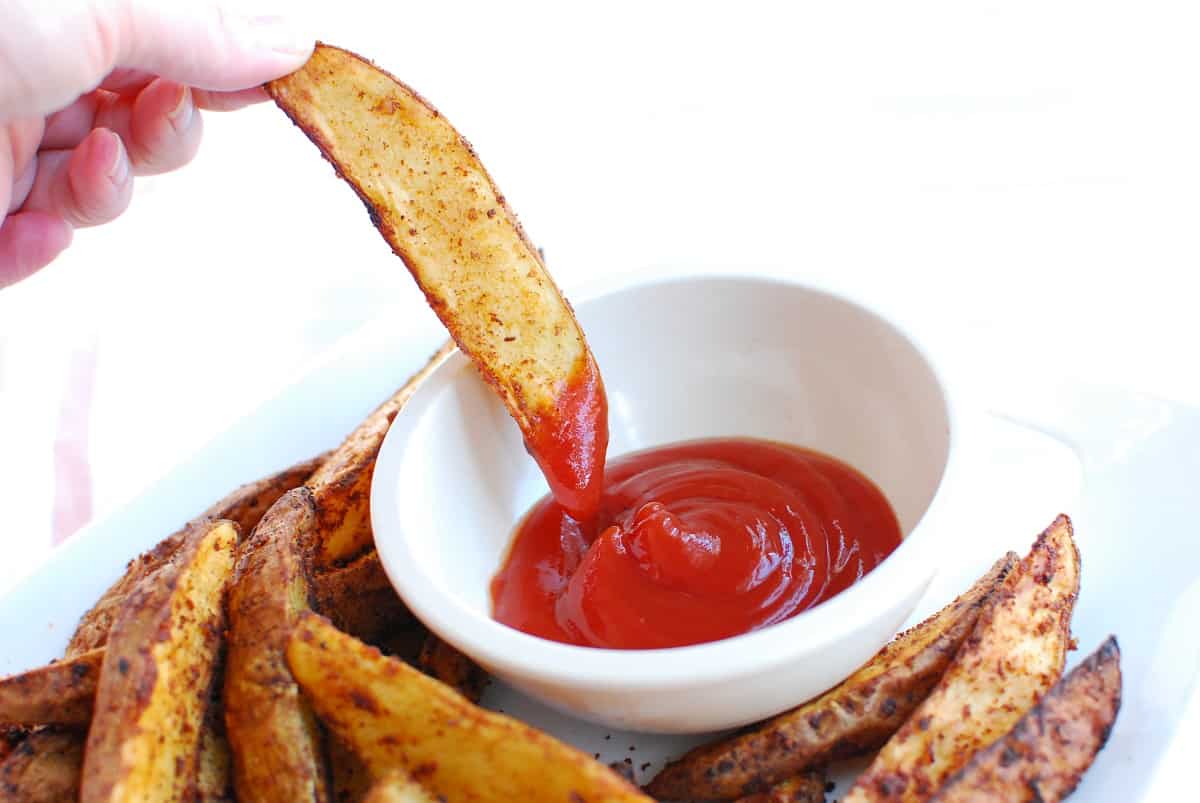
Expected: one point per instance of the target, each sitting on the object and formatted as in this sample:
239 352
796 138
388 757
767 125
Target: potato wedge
1046 754
1013 657
341 486
43 768
399 787
244 506
278 753
60 693
807 787
360 600
157 674
435 204
854 717
394 717
442 661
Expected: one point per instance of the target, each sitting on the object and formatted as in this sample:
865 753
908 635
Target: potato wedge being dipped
437 207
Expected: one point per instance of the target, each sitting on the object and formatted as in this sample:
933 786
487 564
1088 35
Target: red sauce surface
569 442
696 542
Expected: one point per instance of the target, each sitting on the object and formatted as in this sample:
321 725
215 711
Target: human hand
95 93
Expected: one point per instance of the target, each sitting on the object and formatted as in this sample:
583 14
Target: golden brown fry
1046 754
1014 655
60 693
360 600
852 718
807 787
435 204
244 506
277 745
394 717
43 768
442 661
341 487
399 787
157 673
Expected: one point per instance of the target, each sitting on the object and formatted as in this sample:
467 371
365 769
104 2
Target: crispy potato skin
807 787
1013 657
442 661
244 507
157 672
350 780
394 717
43 768
341 486
277 743
360 600
1046 754
854 717
61 693
433 201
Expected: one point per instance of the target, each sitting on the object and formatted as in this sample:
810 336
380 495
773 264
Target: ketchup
691 543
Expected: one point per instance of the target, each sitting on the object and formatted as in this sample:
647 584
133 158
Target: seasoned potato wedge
1015 654
244 507
435 204
854 717
807 787
61 693
1046 754
442 661
399 787
157 672
278 753
394 717
341 486
43 768
359 599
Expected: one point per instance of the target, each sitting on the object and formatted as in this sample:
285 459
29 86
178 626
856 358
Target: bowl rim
508 651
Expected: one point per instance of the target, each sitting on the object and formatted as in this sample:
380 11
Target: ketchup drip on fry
569 442
692 543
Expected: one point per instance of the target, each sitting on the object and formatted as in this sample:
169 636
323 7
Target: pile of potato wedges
260 653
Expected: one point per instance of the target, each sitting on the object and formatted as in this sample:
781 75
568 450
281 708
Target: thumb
50 53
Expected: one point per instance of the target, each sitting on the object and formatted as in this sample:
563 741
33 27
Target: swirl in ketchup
696 542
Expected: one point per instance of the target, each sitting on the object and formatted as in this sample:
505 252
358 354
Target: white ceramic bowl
682 357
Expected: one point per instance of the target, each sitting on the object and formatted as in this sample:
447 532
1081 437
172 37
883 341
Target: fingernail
276 33
118 169
180 117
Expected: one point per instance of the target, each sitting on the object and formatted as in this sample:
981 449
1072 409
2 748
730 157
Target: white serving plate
1128 479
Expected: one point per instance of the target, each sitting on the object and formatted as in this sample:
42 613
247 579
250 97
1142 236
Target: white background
1022 177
